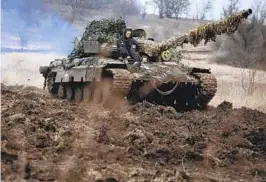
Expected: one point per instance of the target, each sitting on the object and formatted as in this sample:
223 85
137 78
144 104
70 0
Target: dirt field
46 139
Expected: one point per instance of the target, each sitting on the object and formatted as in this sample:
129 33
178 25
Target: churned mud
46 139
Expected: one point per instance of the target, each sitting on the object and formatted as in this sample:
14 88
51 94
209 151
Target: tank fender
62 76
93 73
78 74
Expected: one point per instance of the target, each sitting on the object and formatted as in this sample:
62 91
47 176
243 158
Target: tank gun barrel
206 31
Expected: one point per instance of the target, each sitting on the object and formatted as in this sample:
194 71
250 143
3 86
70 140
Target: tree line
32 12
166 8
177 8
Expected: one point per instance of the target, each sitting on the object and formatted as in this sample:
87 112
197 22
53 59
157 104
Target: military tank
94 71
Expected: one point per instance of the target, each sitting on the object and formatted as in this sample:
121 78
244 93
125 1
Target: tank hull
98 84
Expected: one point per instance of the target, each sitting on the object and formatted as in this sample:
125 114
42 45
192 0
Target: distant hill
155 27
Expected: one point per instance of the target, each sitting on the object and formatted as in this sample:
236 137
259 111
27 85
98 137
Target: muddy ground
46 139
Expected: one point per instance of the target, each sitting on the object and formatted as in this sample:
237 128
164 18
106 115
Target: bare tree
122 8
72 10
144 10
248 75
247 58
75 7
170 8
232 7
203 9
161 7
154 4
179 7
95 4
259 11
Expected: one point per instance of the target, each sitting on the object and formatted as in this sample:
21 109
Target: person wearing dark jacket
127 46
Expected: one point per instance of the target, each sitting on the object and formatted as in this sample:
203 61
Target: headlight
44 70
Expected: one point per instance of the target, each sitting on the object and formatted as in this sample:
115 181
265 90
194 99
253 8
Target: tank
94 71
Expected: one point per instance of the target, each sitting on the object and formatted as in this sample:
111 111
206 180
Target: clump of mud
47 139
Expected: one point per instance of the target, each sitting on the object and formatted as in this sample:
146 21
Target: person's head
128 34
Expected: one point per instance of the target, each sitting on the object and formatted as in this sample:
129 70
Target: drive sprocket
208 88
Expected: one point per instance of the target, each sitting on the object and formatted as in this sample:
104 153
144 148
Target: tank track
51 86
208 88
123 83
122 80
187 95
49 82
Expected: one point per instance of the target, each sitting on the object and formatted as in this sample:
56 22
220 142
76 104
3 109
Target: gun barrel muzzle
247 13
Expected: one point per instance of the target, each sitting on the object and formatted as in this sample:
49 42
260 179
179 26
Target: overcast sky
217 7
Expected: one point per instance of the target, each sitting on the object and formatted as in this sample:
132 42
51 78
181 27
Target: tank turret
99 35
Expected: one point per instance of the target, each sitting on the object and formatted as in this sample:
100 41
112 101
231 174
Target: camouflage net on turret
104 31
205 32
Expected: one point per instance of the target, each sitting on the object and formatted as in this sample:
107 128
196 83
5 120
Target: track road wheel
50 84
97 93
87 93
61 91
69 92
102 91
78 94
106 89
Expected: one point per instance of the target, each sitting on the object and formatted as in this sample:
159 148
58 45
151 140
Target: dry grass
230 87
234 93
23 68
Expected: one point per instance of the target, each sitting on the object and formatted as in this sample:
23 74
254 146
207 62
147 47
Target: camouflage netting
165 73
205 32
104 31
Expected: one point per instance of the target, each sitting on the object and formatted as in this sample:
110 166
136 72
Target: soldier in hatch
127 47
